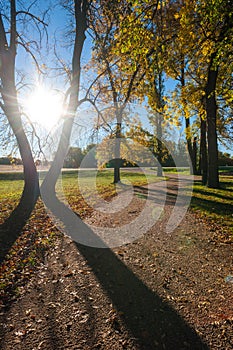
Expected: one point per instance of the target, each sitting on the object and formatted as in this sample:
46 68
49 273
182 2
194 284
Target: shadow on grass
166 194
207 193
209 204
13 225
11 176
212 206
156 195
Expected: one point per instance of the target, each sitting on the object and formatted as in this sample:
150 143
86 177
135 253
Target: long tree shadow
157 193
218 195
154 323
13 225
212 206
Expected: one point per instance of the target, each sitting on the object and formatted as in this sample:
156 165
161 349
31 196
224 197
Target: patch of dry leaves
133 297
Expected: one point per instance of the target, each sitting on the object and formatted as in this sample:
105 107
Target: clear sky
56 30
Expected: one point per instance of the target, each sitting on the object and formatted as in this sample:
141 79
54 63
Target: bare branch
35 133
95 81
37 19
24 45
96 108
64 66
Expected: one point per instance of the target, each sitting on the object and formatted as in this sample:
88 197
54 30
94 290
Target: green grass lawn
185 170
105 188
213 203
11 186
225 169
181 170
104 180
216 204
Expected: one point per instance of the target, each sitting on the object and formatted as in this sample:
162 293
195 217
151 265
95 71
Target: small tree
73 158
122 73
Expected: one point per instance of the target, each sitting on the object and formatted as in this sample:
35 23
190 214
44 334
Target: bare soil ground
162 291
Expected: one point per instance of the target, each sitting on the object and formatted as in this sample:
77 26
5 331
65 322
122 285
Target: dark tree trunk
31 184
12 227
189 145
117 176
211 116
159 119
193 168
159 145
48 185
195 156
203 161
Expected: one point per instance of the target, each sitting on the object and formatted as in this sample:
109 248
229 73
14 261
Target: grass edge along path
213 206
40 233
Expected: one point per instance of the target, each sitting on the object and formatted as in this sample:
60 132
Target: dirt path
162 291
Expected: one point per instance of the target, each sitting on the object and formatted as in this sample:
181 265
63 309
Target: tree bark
203 161
211 116
48 185
189 146
194 162
193 169
159 144
14 224
117 176
31 183
11 228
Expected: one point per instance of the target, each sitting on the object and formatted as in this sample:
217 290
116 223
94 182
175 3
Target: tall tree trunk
31 183
159 124
189 146
11 228
188 137
48 193
211 117
194 146
13 225
12 112
117 177
203 161
48 185
159 144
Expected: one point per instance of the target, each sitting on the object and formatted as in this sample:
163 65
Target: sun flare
44 106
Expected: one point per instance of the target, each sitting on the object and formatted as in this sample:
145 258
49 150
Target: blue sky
56 25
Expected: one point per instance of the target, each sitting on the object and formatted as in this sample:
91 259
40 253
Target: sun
44 107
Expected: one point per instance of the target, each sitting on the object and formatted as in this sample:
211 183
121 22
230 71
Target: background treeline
76 155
